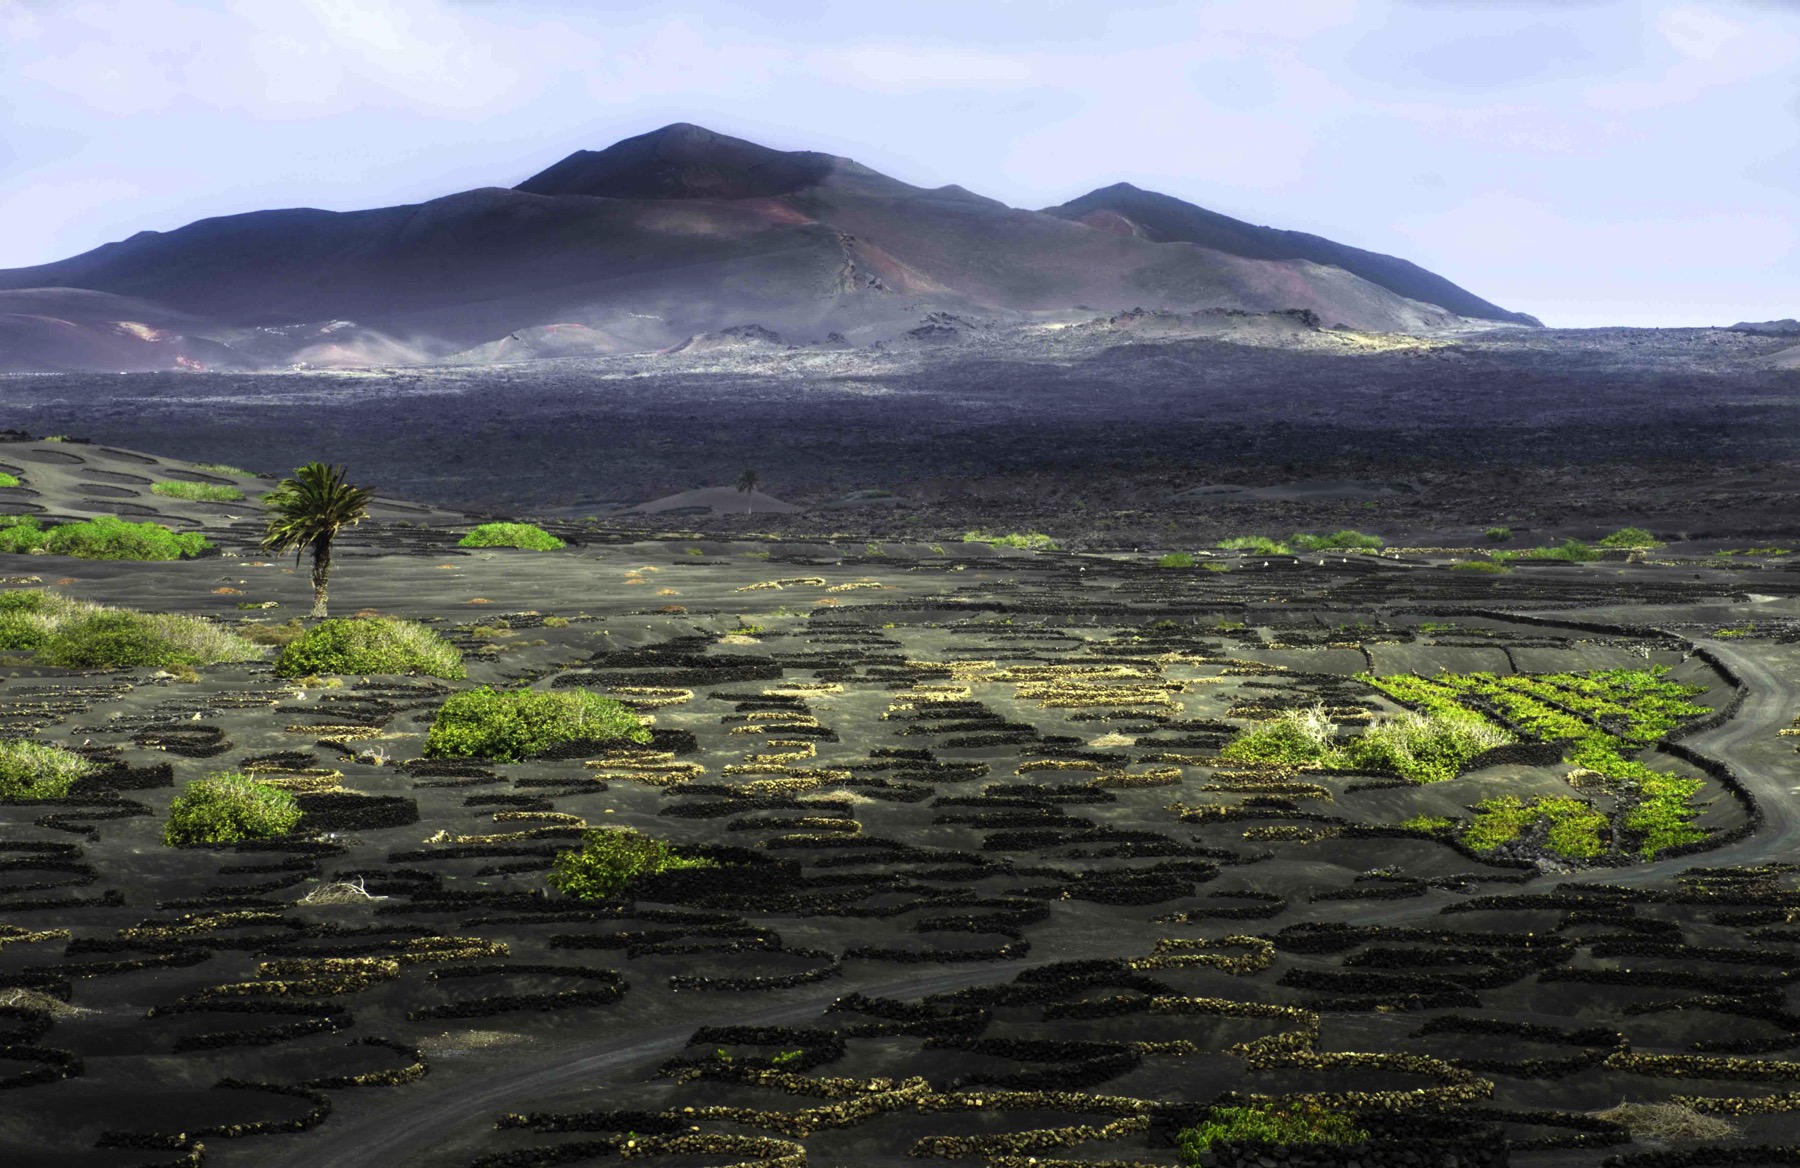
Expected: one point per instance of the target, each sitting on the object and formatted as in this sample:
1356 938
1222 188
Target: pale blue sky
1590 161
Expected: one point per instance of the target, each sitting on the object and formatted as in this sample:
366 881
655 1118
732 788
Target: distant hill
684 231
1164 219
1776 328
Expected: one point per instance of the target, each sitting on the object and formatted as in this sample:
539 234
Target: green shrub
1256 543
22 631
224 468
1493 567
1425 748
227 807
370 645
1575 830
9 480
93 637
1498 534
1035 541
37 770
111 538
513 535
1571 550
25 600
516 724
609 859
1336 541
1631 537
1176 560
20 534
1296 738
1300 1122
198 492
25 619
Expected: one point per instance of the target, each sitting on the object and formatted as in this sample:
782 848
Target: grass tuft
1035 541
198 492
1299 1122
1337 541
117 638
1256 543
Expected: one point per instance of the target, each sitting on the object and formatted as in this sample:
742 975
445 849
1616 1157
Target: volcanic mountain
1165 219
681 231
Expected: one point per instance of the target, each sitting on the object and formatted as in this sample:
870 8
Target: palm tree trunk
321 574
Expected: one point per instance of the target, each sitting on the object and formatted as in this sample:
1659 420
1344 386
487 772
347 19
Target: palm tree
747 483
307 511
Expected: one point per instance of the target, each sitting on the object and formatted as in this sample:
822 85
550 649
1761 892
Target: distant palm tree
747 483
307 511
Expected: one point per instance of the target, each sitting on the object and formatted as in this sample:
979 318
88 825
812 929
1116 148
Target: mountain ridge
699 231
1166 219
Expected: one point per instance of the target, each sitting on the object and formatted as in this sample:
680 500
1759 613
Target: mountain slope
682 231
1163 218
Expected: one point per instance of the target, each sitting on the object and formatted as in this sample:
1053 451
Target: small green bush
1336 541
24 600
516 724
25 619
1301 1122
1631 537
1493 567
9 480
1297 738
105 538
224 468
1498 534
1575 830
37 770
1571 550
20 534
1035 541
1256 543
609 859
29 615
1425 748
513 535
22 631
227 807
198 492
370 645
1176 560
118 638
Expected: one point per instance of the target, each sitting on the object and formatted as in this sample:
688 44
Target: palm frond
315 503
